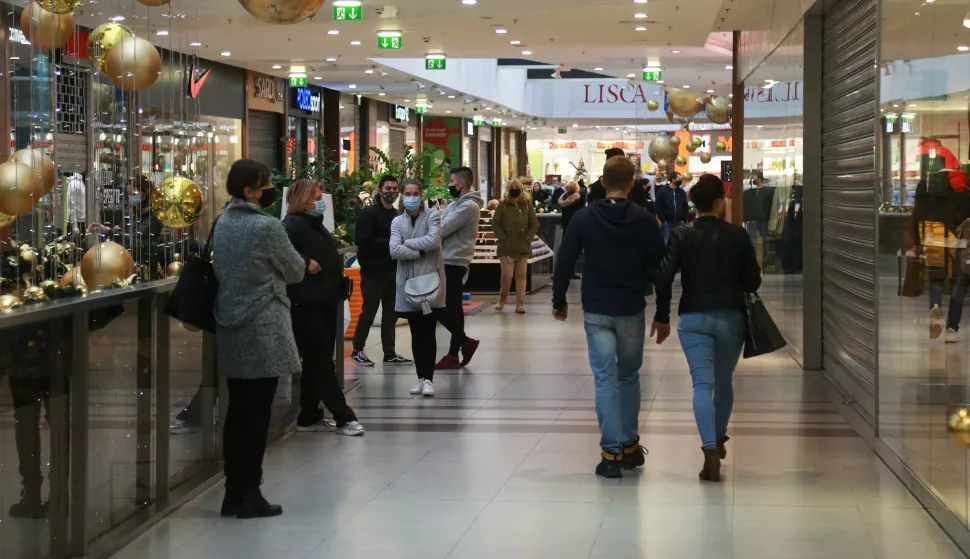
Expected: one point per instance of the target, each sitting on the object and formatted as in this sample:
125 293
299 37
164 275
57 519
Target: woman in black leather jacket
718 267
314 311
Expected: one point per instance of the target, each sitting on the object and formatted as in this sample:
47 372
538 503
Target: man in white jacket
459 230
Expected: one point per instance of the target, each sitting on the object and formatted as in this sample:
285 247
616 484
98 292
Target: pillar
737 134
331 130
523 156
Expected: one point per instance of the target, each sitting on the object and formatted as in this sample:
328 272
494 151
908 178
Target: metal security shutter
848 200
264 138
397 139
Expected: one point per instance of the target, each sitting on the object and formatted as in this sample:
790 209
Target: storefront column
812 196
737 135
522 161
366 130
498 181
331 130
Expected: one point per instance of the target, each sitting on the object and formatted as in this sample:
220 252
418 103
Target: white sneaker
428 389
351 429
322 426
418 387
952 336
936 322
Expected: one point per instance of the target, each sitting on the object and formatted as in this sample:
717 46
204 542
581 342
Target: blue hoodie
624 247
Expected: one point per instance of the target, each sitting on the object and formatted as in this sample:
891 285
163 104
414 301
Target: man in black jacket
639 194
623 246
377 274
672 208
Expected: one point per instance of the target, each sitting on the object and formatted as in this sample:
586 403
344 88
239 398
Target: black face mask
515 192
268 197
454 191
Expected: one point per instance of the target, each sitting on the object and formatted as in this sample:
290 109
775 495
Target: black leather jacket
717 266
312 240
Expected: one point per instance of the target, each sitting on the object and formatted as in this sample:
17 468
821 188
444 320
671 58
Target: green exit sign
497 122
562 130
420 109
652 75
389 43
297 81
436 63
347 13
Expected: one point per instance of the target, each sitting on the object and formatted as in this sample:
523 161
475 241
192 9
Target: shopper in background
253 261
314 311
459 230
572 200
717 267
377 272
515 225
624 247
416 244
539 195
758 202
672 208
557 193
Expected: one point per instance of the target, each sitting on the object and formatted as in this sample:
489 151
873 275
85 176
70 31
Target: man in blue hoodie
624 246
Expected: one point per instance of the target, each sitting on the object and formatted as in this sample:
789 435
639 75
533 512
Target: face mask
515 192
320 207
268 197
454 191
134 199
412 203
389 197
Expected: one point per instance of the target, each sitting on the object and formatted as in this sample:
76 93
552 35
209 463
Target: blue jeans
669 226
615 355
958 293
756 228
712 342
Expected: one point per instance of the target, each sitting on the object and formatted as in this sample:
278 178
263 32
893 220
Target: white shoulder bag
422 290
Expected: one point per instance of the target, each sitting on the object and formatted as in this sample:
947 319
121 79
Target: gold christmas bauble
177 202
662 164
690 148
105 263
680 161
153 3
34 294
45 30
705 158
47 284
19 188
59 6
42 164
174 270
719 110
282 11
6 220
102 39
73 277
683 103
675 141
687 177
696 141
133 64
28 254
720 147
661 148
9 303
959 425
177 257
652 105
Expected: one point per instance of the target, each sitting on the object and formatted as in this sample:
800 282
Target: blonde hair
516 183
572 186
299 195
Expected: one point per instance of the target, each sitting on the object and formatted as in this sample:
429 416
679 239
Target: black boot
712 466
254 505
230 503
609 466
634 455
721 450
30 505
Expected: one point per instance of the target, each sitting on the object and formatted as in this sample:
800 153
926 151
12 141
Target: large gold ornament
680 161
35 294
105 263
959 425
133 64
687 178
73 277
153 3
705 158
690 148
720 147
43 165
675 141
174 270
682 103
282 11
9 303
102 39
652 105
19 188
661 148
45 30
59 6
177 202
719 110
696 141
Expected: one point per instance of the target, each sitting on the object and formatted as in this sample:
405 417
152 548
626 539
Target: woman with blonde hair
314 304
515 225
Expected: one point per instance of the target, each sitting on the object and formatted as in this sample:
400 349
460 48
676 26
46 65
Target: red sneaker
468 350
448 362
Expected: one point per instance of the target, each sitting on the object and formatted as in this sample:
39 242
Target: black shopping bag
762 335
193 300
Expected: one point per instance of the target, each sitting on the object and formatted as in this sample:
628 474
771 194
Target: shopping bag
193 300
913 274
761 334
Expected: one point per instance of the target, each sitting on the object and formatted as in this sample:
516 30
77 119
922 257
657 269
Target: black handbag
761 335
193 300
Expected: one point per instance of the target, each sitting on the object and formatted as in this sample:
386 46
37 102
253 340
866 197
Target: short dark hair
243 173
674 176
464 174
386 179
708 190
615 152
618 173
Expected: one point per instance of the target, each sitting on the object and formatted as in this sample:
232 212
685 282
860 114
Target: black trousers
453 315
377 291
29 396
246 430
315 330
424 346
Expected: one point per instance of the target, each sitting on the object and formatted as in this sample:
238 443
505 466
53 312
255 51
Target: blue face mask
320 207
412 203
134 199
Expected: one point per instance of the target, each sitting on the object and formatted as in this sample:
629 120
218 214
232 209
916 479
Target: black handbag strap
207 248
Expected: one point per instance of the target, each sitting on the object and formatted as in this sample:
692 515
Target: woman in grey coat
253 262
416 245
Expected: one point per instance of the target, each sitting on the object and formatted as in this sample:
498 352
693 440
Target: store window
348 133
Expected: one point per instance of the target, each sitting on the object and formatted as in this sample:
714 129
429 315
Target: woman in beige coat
515 225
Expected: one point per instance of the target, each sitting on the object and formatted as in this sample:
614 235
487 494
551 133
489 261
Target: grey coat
407 243
253 262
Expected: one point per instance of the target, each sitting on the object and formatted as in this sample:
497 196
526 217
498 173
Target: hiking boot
254 505
634 456
609 466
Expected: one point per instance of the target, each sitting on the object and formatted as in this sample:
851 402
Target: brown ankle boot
721 450
712 466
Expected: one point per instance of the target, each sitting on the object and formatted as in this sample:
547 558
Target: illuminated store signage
402 114
307 100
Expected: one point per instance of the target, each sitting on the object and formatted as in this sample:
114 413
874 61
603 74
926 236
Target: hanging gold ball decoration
959 425
133 64
42 164
28 254
282 11
662 164
73 277
177 202
174 270
9 303
105 263
687 177
696 141
680 161
720 147
34 294
661 148
683 103
690 148
719 110
45 30
675 141
652 105
19 188
59 6
153 3
102 39
705 158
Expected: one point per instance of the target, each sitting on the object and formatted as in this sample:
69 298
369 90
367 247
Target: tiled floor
499 465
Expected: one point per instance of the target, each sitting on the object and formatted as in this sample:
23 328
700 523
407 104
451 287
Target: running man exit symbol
389 43
435 64
347 13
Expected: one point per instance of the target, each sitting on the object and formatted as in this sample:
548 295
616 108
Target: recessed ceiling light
527 52
597 69
631 75
368 71
575 125
317 77
407 100
710 91
277 67
686 87
449 112
355 43
352 86
660 81
501 31
730 95
333 32
469 2
389 34
729 67
161 33
347 3
225 53
515 42
451 96
675 51
639 1
117 18
14 58
640 28
963 48
912 105
640 16
195 44
331 59
381 94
